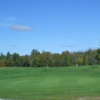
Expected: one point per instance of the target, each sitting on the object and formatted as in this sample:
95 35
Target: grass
55 83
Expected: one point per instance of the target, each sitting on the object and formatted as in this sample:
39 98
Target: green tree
80 61
2 56
47 56
98 56
41 62
16 59
17 63
50 63
33 56
34 62
2 64
9 62
26 61
57 59
66 58
22 60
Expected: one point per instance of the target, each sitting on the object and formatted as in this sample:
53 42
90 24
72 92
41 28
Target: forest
48 59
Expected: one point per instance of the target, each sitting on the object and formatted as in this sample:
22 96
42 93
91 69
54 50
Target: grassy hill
55 83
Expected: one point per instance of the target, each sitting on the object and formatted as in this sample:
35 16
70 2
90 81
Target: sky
50 25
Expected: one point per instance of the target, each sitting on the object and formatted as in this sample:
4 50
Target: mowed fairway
55 83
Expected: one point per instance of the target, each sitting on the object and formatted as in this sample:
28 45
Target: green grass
56 83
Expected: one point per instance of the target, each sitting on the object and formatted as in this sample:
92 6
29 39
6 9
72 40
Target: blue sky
50 25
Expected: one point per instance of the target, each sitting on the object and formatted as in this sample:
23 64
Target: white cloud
10 18
20 28
12 45
4 19
68 45
66 32
7 21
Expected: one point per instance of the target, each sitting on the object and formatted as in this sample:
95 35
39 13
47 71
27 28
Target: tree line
48 59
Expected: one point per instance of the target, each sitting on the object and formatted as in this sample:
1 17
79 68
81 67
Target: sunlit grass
55 83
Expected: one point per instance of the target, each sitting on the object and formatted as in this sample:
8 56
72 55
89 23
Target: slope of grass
56 83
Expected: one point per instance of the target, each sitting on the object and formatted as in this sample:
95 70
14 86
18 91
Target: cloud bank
20 28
